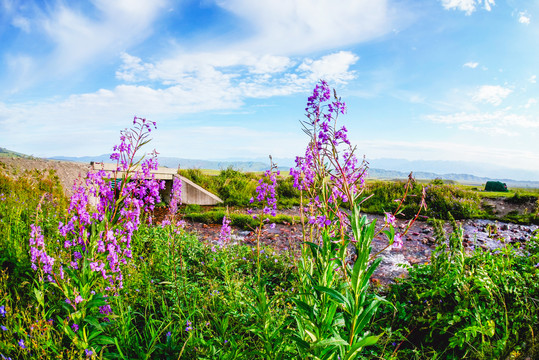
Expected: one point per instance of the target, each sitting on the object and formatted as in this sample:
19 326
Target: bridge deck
191 192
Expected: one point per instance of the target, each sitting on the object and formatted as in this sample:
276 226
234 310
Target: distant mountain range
378 169
461 167
173 162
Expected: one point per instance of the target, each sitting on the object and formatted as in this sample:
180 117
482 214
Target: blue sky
423 80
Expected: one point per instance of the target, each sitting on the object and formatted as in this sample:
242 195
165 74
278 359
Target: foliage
440 199
334 307
479 306
243 221
20 195
236 188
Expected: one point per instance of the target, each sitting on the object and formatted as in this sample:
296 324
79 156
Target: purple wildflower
3 310
38 254
105 309
329 156
95 200
176 198
397 241
188 326
390 219
21 344
226 230
75 327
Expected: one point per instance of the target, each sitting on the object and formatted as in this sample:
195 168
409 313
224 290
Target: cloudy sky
426 79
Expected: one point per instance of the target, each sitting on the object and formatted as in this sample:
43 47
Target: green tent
495 186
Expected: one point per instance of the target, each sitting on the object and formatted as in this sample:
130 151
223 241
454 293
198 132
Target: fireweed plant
334 307
85 262
266 198
173 230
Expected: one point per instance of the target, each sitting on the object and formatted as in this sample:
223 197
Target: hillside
8 153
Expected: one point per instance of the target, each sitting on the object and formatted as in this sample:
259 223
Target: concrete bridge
191 192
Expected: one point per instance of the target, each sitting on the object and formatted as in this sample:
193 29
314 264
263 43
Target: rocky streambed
419 241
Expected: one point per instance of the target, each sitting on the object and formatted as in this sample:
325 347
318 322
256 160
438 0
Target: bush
520 199
441 199
480 307
236 188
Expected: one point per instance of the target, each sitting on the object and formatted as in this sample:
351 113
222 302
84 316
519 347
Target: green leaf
94 334
305 308
356 348
93 321
300 342
105 340
330 342
335 295
39 297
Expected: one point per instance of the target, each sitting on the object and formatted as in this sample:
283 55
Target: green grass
438 312
443 197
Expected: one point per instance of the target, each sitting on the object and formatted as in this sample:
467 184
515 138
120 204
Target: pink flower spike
397 242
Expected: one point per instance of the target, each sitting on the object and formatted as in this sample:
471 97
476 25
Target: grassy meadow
183 299
236 188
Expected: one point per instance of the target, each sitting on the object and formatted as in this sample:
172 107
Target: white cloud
492 94
89 125
524 18
501 122
488 4
468 6
503 153
234 141
21 23
533 79
531 102
242 73
168 89
78 39
333 67
295 27
471 65
131 66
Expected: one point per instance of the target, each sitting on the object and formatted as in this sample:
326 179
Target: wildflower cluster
170 222
266 196
38 253
266 191
104 211
176 197
329 156
226 231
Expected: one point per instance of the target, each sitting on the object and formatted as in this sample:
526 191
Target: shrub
480 306
440 199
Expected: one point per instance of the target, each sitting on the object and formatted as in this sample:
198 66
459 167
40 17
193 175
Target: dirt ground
67 171
502 207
